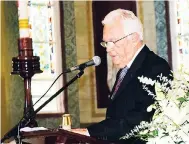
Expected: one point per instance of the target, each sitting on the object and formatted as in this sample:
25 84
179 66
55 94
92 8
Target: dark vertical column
169 47
100 10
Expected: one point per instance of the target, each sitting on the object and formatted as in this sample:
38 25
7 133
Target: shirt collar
137 52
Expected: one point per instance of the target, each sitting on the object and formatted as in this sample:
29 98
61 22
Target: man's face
121 51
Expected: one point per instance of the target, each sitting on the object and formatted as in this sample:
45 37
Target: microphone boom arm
28 116
60 90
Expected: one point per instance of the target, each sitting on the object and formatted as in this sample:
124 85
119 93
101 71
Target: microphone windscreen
97 60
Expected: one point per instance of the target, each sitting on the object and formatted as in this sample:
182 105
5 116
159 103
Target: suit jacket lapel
132 70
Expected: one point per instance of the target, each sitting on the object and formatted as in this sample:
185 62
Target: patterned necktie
120 79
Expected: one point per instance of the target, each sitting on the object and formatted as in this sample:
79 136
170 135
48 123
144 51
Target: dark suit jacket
129 105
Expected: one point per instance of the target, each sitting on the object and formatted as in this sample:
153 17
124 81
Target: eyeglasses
110 43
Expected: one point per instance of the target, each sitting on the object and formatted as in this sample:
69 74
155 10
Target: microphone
95 61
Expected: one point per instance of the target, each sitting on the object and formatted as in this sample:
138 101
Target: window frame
59 66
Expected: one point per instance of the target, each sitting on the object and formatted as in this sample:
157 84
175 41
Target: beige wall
145 11
85 51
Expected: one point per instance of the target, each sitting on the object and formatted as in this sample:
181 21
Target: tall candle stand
26 65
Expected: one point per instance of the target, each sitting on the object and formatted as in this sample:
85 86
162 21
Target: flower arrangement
170 122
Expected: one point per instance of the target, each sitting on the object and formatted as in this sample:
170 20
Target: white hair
130 21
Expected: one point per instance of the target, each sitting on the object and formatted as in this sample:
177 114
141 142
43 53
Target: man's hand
80 131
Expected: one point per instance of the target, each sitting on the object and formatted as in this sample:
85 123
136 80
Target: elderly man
123 40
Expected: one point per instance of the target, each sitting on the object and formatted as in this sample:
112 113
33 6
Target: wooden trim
47 115
169 47
63 52
84 125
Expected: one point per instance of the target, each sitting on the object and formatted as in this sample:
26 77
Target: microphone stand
15 131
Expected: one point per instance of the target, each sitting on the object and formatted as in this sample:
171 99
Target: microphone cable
6 136
96 60
48 89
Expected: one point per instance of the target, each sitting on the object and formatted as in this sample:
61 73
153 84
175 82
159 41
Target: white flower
144 132
158 140
149 109
146 80
170 123
186 77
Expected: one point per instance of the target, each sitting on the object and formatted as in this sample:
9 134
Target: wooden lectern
58 136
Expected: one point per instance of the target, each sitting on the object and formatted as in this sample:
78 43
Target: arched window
183 31
44 22
179 22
